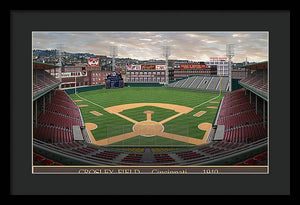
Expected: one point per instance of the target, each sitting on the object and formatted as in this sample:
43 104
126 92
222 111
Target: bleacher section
55 124
211 83
42 81
188 82
196 82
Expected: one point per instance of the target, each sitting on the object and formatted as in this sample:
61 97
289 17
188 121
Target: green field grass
139 115
109 125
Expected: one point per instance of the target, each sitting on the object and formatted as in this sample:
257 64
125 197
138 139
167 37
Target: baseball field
152 116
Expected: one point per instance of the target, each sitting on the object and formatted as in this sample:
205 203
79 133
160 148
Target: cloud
240 35
148 45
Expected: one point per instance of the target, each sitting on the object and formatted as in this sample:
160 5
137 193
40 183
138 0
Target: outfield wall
95 87
83 89
143 85
235 84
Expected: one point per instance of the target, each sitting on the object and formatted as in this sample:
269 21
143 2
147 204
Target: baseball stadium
199 119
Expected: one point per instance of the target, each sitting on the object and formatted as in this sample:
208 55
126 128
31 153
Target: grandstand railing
264 95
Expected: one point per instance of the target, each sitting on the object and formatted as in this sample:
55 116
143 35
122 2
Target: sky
195 46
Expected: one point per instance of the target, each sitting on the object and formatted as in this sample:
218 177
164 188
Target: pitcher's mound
148 128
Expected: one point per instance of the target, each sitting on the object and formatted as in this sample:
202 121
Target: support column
36 114
256 75
75 82
230 77
264 113
35 80
264 75
50 96
256 104
250 96
44 104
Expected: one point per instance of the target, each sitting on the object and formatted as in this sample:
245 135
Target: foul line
206 101
212 98
90 101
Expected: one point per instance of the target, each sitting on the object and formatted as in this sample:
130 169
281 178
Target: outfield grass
109 125
139 115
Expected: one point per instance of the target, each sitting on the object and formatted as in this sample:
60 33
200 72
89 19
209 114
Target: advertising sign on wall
92 62
161 67
148 67
133 67
69 74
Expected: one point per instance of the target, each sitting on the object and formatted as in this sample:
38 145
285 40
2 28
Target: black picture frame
22 23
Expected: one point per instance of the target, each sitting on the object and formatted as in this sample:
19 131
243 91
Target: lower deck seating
163 158
55 124
106 155
132 158
41 160
187 155
260 159
53 134
85 150
242 123
68 145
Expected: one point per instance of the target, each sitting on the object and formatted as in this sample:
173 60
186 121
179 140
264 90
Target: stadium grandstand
237 137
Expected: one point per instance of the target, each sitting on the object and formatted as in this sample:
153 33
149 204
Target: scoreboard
197 66
114 80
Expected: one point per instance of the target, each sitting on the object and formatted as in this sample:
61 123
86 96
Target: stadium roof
255 66
43 66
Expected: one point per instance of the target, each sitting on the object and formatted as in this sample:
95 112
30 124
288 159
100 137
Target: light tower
166 54
113 54
230 54
60 48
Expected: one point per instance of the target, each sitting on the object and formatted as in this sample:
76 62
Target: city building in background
221 63
97 77
189 69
